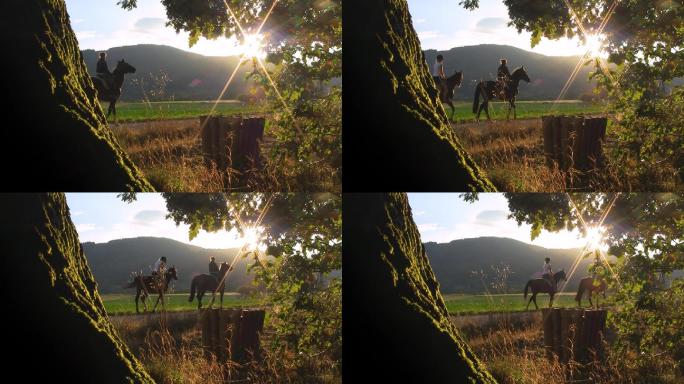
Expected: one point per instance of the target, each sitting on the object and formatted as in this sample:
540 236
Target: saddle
501 86
106 79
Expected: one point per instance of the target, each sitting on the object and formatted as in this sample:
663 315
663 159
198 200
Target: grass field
526 109
167 110
464 304
125 303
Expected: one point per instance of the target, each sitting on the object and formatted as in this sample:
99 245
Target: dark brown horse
587 284
543 286
452 82
489 91
114 92
147 285
202 283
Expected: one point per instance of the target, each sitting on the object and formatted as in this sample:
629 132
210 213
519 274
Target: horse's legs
453 110
515 110
486 108
550 300
199 299
508 114
590 303
137 296
222 298
528 302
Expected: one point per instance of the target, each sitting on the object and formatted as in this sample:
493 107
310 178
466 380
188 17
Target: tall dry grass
512 155
170 347
516 355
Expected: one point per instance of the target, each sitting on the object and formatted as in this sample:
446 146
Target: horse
489 90
453 81
587 284
202 283
146 284
112 94
543 286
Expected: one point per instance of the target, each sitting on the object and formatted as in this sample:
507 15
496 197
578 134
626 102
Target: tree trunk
62 329
60 133
396 130
398 323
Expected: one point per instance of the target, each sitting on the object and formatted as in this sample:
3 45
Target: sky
102 24
443 25
101 217
443 217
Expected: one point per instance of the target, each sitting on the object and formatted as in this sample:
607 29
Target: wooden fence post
232 142
574 142
573 334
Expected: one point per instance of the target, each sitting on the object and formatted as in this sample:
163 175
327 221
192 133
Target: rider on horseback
439 76
159 266
502 76
103 72
213 268
547 273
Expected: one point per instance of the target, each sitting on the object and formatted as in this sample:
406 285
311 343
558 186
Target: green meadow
526 109
169 110
125 303
467 304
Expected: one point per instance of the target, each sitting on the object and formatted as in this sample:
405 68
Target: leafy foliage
303 236
646 233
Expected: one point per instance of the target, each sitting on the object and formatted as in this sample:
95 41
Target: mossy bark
60 133
61 326
399 324
396 131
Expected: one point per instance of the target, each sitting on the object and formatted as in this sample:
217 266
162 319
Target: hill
192 76
548 73
113 262
454 263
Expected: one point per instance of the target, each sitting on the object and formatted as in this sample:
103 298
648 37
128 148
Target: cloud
490 24
149 216
428 227
149 24
85 227
426 35
489 217
82 35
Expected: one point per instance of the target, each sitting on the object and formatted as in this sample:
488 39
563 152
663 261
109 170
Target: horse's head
171 273
124 67
560 275
520 74
224 268
458 78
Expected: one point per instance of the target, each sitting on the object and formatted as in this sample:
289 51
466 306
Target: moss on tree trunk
60 133
62 329
396 131
399 323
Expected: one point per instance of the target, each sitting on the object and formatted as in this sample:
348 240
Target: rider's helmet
212 258
440 58
103 55
503 61
547 259
163 258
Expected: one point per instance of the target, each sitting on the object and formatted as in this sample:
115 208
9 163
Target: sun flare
594 45
251 238
594 238
252 46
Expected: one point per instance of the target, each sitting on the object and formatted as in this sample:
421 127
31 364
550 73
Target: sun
252 46
594 237
594 45
251 238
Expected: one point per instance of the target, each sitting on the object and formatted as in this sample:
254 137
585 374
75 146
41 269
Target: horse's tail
580 291
193 288
527 286
476 100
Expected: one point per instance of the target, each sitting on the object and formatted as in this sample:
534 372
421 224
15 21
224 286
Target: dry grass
511 153
169 154
515 355
170 348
